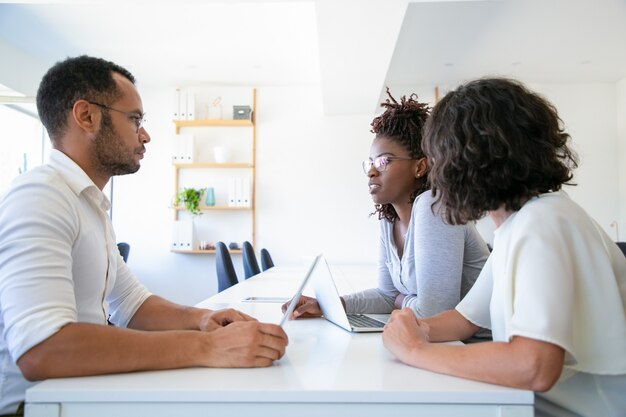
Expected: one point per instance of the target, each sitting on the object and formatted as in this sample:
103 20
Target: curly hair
493 142
402 122
82 77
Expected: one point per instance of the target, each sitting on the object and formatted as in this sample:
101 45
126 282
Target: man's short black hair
73 79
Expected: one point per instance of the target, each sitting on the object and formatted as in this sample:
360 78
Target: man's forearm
81 349
157 313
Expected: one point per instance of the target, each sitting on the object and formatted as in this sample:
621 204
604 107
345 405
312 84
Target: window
23 139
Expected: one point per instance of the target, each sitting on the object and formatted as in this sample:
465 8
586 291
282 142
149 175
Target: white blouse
554 275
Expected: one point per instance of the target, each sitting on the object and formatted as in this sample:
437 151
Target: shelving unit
178 167
212 122
198 251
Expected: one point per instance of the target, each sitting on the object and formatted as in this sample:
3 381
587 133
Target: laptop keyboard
359 320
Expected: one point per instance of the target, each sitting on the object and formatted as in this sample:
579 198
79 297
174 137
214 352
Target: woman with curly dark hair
553 291
425 264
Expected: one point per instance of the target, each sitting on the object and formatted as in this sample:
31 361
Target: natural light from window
23 139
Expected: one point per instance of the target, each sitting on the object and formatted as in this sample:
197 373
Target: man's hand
212 320
404 334
245 344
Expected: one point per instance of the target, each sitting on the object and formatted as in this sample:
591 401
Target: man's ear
421 167
84 116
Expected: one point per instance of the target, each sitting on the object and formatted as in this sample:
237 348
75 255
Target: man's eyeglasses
137 118
380 163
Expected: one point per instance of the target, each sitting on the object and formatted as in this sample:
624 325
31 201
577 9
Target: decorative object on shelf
215 109
242 112
233 245
204 245
210 197
190 197
221 154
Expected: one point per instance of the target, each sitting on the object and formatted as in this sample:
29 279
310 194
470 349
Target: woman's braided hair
402 122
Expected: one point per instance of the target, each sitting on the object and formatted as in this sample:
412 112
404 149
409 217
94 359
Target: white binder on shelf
232 197
185 151
185 235
190 149
175 242
239 192
246 193
175 149
176 105
191 105
182 104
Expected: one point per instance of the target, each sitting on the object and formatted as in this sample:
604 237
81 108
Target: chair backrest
266 260
124 249
226 275
250 264
622 246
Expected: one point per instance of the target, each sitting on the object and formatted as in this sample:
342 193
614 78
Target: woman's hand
404 334
399 300
306 307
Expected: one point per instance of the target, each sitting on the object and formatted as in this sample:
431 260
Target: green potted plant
190 197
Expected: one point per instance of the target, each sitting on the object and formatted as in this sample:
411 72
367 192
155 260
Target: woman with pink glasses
424 264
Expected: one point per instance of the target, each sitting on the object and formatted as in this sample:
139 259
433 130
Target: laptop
328 298
296 297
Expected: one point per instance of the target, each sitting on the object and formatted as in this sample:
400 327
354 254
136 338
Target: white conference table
326 371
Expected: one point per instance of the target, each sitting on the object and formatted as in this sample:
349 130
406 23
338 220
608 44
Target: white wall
311 193
20 71
589 113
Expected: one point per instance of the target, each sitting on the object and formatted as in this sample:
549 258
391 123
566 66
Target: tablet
296 297
266 300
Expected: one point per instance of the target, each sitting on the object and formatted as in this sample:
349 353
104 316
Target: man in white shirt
61 276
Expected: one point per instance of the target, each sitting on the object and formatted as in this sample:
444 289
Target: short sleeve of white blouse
556 276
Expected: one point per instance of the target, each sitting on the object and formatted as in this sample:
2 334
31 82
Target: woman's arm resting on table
522 363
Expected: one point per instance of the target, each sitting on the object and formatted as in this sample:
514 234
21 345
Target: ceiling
350 48
547 41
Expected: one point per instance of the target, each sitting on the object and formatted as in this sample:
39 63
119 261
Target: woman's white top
554 275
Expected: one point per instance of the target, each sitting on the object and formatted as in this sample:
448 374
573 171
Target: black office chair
250 264
266 260
226 275
622 246
124 249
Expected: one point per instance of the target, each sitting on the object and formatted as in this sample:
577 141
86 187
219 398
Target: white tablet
296 297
